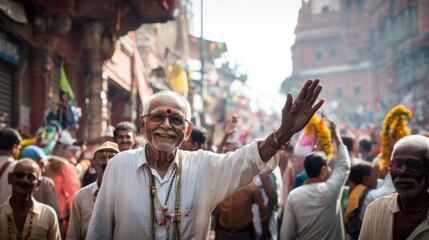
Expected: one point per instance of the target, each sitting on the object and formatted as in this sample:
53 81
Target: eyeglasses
175 120
411 164
30 176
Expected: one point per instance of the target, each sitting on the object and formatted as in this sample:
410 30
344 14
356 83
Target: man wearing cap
46 191
83 201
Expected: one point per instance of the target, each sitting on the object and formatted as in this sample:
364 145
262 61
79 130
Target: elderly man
83 202
161 192
46 191
21 216
403 214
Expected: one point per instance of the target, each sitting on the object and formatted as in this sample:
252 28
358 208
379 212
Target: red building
365 53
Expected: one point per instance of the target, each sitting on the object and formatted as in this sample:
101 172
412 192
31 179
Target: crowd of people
307 179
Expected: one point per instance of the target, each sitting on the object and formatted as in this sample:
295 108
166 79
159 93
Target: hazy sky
259 34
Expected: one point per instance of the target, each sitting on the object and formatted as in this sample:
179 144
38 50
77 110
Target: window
319 52
339 93
325 9
357 90
332 50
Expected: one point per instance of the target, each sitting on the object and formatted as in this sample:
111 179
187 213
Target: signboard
10 49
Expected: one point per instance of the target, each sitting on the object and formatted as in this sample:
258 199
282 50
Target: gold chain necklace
167 217
10 227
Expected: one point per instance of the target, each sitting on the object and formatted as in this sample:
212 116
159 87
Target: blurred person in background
83 202
313 211
46 190
124 135
10 142
195 141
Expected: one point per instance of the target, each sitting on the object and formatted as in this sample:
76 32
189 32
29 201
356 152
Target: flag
72 113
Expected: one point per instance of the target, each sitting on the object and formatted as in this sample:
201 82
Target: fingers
304 89
313 86
289 100
315 94
317 106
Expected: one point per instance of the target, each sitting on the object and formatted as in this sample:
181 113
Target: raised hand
231 125
296 114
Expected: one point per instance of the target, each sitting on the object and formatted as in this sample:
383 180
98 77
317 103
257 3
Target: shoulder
383 202
46 181
126 157
45 210
87 189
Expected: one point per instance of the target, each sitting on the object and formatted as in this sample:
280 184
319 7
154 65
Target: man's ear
365 180
189 130
38 184
141 124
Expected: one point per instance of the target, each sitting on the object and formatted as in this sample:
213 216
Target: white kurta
313 211
81 212
122 209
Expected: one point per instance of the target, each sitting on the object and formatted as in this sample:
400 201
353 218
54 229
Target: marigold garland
395 121
324 138
323 134
310 128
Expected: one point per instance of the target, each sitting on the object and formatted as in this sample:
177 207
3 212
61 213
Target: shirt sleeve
226 173
288 228
340 173
51 197
54 229
74 228
102 220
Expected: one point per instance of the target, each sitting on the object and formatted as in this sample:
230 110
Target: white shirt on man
81 212
5 187
122 209
313 211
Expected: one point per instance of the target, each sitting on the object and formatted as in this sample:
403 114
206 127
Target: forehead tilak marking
168 110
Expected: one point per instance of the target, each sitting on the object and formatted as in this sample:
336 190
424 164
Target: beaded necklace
10 227
154 200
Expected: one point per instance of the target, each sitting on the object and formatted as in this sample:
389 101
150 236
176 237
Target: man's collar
143 161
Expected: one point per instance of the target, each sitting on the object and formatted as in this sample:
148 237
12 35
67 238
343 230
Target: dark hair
348 141
127 126
8 138
289 148
198 136
366 144
313 164
358 171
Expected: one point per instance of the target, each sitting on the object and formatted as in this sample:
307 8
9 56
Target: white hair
168 93
413 142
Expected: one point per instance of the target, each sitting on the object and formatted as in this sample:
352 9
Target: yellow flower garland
324 138
323 134
395 121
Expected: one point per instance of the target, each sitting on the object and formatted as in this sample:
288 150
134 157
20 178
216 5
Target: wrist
281 139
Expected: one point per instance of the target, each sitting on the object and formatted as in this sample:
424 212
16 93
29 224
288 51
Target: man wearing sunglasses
403 214
21 216
162 192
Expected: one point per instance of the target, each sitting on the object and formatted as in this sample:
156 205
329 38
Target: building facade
369 54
